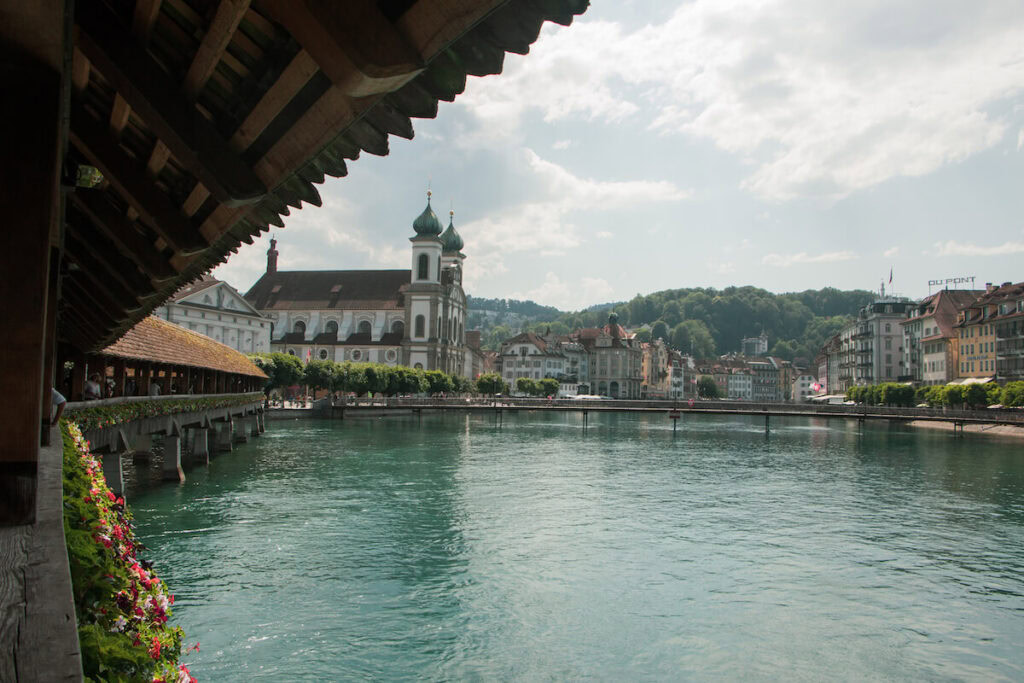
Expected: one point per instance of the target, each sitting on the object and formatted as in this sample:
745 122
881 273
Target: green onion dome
426 223
450 239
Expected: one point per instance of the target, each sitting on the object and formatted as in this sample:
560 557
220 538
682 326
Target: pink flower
154 651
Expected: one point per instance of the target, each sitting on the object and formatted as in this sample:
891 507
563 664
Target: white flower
119 625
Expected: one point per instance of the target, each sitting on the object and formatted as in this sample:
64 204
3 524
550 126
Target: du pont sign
951 282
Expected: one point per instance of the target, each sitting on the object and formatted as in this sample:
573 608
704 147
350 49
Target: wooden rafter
354 44
130 180
215 41
123 234
120 267
189 136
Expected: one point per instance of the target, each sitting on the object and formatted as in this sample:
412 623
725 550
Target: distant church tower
435 302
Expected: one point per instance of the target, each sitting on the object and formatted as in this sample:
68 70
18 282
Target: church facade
412 317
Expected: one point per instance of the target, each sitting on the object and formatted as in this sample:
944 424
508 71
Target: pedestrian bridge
196 425
676 409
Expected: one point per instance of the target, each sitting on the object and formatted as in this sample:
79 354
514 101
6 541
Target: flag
309 354
890 276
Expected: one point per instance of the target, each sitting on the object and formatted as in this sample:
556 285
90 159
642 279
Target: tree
707 388
491 383
548 387
525 385
672 313
283 369
438 382
318 374
643 334
975 396
377 377
659 330
784 349
692 336
265 363
1013 394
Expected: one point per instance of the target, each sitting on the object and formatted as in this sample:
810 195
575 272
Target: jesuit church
411 317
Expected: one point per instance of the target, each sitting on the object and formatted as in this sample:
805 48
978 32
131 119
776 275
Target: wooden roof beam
118 266
430 27
123 234
218 35
129 178
189 136
105 290
354 44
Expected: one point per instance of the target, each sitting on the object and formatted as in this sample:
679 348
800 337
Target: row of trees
284 370
537 387
953 395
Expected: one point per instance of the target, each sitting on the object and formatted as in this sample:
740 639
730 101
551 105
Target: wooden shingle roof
211 120
159 341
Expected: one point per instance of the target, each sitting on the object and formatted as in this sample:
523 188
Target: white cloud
954 248
562 144
1020 139
822 99
545 224
787 260
567 295
604 235
891 252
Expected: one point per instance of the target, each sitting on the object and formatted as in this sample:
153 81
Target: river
448 548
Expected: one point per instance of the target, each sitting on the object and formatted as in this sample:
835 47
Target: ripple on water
450 548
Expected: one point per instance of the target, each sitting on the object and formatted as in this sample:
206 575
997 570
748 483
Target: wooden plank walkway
38 633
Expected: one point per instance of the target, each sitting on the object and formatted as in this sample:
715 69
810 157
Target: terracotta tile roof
529 338
330 289
157 340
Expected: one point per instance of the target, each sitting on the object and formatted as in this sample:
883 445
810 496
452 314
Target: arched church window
299 327
398 327
420 323
331 328
364 327
423 268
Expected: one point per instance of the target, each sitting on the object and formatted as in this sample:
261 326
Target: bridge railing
739 407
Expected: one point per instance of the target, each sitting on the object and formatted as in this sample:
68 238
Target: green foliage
659 330
525 385
548 387
100 417
707 388
438 382
283 369
491 383
121 606
886 394
693 336
318 374
1013 394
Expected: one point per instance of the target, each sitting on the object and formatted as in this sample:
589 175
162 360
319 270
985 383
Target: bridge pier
261 421
254 425
113 472
225 431
142 448
766 427
201 446
172 458
241 432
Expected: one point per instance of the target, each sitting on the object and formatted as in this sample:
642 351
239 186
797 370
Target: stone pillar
225 431
113 472
142 448
242 432
201 446
254 425
172 459
261 421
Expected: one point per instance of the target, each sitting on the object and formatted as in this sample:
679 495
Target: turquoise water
450 549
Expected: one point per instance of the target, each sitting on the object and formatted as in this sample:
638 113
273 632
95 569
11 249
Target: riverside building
216 309
412 317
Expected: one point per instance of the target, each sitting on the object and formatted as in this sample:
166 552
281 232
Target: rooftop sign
951 281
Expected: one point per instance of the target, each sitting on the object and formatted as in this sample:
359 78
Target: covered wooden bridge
148 139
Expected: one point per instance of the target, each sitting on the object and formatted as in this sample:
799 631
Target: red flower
154 651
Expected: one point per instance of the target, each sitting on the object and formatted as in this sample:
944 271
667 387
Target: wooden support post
77 377
254 425
165 381
50 371
34 108
766 430
143 371
119 376
262 421
172 458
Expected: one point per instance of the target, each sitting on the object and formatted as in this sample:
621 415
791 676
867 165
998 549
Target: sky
785 144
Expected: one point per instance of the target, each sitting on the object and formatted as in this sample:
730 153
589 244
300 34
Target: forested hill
527 309
710 322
